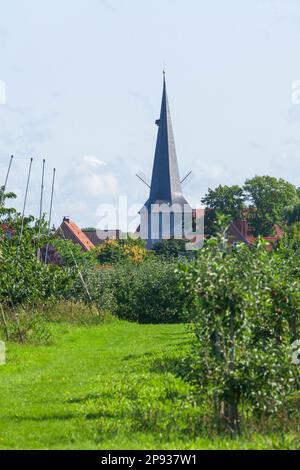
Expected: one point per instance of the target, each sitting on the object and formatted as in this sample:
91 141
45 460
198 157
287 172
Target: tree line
264 201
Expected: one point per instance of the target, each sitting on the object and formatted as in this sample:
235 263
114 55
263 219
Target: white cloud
90 183
89 162
98 184
91 179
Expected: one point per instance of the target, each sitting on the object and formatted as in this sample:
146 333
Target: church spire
165 183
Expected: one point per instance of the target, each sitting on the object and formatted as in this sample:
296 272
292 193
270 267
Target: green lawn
104 387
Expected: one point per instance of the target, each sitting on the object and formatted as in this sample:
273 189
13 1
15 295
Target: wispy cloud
81 190
89 162
91 179
98 184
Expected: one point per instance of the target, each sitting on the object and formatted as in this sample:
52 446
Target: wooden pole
41 208
42 196
6 179
24 206
50 213
4 323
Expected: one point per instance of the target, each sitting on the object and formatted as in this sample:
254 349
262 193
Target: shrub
115 251
25 280
146 292
72 253
169 249
93 285
239 302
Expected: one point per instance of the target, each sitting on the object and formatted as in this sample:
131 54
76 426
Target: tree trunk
231 408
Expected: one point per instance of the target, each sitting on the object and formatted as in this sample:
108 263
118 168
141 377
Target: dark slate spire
165 183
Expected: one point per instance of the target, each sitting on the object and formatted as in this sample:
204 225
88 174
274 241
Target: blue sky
83 88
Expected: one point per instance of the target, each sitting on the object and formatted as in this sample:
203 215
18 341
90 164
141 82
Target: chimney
66 219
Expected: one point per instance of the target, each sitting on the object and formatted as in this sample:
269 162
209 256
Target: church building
166 214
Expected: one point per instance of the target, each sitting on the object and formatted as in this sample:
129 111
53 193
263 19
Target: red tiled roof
7 229
72 232
247 237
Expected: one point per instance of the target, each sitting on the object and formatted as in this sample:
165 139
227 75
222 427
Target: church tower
162 216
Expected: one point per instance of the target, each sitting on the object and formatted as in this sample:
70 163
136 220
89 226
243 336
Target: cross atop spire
165 184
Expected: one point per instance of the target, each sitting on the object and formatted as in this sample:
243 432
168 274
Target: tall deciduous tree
268 198
227 200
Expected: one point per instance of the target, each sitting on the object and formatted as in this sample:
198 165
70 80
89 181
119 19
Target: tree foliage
292 213
6 213
264 201
24 279
116 251
268 197
169 249
244 304
225 200
228 200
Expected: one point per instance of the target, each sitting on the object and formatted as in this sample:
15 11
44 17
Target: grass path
97 388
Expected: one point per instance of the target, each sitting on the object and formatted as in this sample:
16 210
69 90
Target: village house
69 230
